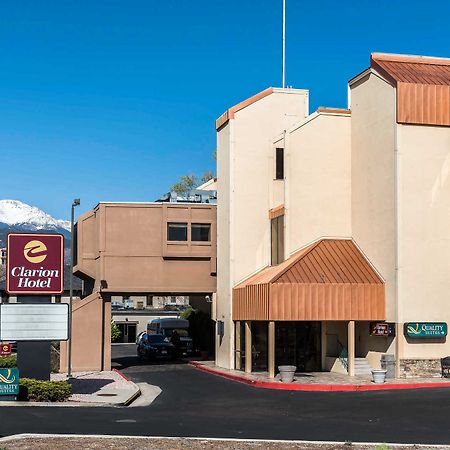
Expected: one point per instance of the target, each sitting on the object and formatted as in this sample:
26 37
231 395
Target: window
201 232
277 238
279 163
177 231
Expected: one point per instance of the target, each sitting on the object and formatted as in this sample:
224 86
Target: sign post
35 272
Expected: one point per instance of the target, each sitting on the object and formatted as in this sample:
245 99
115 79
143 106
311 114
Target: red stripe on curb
316 387
121 374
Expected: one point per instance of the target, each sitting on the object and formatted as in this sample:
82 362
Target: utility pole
76 202
283 58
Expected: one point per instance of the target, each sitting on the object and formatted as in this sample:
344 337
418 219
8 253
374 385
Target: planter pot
287 373
379 375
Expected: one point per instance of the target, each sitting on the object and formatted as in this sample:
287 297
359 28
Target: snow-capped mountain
18 216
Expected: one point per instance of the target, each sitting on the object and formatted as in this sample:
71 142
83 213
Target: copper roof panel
423 87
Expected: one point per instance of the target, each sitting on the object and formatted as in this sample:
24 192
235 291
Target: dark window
279 163
177 231
277 238
155 338
201 232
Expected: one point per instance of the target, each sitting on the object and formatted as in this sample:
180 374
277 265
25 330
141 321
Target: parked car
155 346
175 330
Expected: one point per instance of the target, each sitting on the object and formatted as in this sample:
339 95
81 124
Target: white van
167 326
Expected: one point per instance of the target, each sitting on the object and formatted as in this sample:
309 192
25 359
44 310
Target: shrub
115 332
8 361
44 391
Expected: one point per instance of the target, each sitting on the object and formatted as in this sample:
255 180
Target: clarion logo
35 252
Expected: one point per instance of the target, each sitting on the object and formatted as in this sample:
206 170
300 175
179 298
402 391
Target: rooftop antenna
283 58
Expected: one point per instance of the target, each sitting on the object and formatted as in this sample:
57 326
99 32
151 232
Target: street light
75 203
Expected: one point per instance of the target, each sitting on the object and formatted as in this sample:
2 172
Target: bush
8 361
44 391
115 332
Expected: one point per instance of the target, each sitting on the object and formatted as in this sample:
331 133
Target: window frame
185 226
200 224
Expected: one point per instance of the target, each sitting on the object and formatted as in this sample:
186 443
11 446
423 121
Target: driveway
194 403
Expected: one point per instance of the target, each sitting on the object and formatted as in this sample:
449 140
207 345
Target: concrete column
248 346
323 345
351 347
237 352
271 350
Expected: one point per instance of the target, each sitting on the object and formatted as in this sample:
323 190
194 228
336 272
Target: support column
237 350
248 346
271 350
323 345
351 347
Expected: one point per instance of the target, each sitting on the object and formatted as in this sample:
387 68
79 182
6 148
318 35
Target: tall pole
76 202
283 62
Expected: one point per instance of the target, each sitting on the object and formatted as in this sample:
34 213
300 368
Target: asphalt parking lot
194 403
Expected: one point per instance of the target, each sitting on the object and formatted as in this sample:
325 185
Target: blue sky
113 100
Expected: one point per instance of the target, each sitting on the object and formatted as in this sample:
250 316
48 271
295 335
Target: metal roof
423 87
328 280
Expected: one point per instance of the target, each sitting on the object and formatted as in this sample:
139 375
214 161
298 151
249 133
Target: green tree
185 184
115 332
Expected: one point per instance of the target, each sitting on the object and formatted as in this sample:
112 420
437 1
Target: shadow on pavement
87 386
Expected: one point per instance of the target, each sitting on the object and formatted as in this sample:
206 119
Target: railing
341 351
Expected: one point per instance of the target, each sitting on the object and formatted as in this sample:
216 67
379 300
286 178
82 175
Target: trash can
388 364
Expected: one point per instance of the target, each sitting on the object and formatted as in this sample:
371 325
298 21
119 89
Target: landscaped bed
129 443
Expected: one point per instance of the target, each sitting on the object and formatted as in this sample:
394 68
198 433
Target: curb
316 387
15 437
121 374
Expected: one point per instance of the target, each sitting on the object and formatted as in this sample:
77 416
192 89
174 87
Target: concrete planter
379 376
287 373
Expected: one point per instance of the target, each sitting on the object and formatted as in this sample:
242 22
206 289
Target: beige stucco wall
318 157
244 147
91 335
373 178
126 245
424 233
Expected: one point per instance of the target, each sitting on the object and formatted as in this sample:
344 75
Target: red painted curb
121 374
316 387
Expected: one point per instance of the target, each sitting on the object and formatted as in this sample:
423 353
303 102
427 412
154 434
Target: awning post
351 348
271 349
237 359
248 346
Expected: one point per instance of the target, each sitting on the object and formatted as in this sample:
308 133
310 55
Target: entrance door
298 343
127 332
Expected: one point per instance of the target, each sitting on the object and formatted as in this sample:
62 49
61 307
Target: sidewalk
107 387
320 381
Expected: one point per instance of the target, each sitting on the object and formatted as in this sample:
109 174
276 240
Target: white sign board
35 322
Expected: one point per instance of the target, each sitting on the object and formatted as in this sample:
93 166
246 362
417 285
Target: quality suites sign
35 263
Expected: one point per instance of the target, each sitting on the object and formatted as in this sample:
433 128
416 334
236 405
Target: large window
277 238
201 232
279 164
177 231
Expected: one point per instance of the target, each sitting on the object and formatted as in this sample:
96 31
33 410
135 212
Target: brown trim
229 113
411 58
276 212
324 109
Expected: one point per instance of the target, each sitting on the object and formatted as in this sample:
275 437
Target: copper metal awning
328 280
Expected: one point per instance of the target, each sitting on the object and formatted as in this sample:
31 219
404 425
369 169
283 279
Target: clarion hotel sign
35 264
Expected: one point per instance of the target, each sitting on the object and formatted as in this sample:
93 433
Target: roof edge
331 110
230 112
417 59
